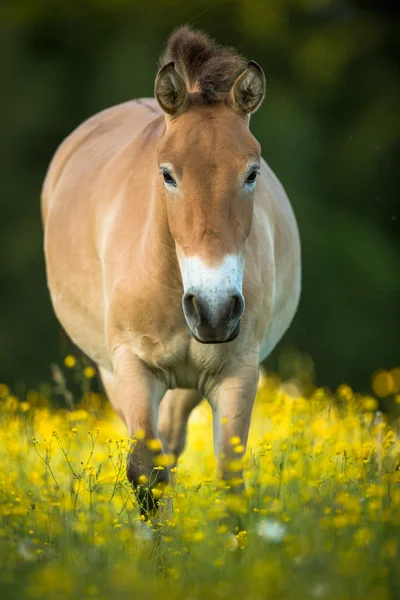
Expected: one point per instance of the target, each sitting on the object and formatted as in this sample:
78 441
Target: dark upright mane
205 66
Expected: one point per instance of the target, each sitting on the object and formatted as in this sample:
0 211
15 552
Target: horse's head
209 162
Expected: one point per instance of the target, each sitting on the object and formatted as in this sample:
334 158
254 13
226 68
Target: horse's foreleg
137 396
232 405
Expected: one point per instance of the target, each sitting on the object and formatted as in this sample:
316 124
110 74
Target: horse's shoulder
95 139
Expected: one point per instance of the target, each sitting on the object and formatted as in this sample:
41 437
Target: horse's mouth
217 340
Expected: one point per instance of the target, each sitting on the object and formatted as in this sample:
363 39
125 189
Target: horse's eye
251 178
169 180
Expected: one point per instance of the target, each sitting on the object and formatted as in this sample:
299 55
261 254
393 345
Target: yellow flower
164 460
239 449
70 361
12 403
238 481
306 464
383 383
345 392
235 465
235 440
139 434
154 444
370 404
241 538
173 573
222 529
99 540
363 536
89 372
92 590
157 493
4 390
77 415
389 549
395 373
340 521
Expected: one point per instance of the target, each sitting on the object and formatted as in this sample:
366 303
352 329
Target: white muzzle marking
215 285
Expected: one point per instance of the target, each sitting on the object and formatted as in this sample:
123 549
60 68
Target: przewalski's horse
172 252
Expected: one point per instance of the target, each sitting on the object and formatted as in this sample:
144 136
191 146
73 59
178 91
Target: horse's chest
178 360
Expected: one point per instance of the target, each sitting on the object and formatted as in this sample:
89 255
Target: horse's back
93 142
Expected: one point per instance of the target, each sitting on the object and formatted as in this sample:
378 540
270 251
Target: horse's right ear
170 91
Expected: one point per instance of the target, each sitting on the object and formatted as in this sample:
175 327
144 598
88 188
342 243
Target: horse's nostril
188 302
213 319
191 307
237 307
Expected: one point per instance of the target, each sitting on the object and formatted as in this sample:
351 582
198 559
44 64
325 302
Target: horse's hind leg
173 415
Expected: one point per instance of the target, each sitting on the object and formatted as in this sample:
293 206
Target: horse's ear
248 91
170 91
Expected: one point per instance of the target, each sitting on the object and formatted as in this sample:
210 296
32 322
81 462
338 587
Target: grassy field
321 519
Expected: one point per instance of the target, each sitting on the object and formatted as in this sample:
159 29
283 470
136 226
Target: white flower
232 542
26 550
143 532
274 531
319 589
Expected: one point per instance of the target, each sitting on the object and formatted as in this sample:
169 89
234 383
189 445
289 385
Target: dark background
329 127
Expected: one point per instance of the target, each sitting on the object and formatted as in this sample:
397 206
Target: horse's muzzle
213 322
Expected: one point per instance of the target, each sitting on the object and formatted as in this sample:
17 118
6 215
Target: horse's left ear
248 91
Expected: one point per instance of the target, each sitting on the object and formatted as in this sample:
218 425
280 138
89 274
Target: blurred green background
329 127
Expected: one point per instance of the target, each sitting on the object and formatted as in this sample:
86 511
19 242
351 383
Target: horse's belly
83 322
76 292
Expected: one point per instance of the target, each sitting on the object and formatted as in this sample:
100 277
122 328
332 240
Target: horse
173 254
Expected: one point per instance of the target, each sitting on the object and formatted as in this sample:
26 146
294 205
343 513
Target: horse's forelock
205 66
